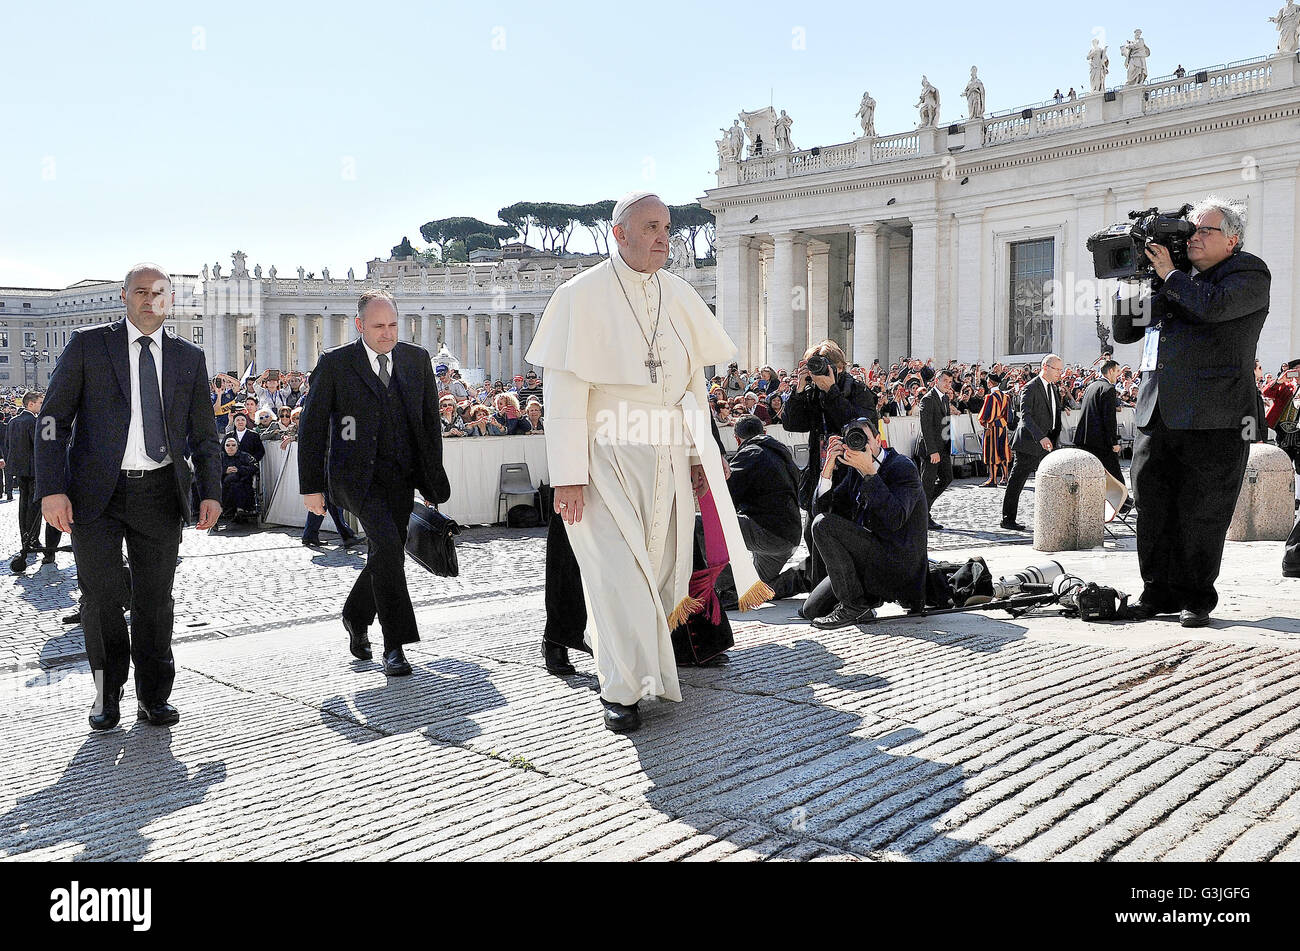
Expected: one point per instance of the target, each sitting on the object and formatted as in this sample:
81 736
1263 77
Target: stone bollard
1266 506
1069 501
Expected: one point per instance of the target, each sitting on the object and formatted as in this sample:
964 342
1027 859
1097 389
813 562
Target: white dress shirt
135 457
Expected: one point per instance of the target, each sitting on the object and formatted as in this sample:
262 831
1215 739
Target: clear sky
319 134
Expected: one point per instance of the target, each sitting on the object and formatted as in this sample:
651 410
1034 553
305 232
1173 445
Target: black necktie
155 435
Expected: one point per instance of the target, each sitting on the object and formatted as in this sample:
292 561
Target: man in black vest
1098 429
19 450
370 430
1196 410
1037 434
139 400
936 434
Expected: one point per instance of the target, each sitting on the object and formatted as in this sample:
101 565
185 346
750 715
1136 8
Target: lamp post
846 306
1103 332
30 357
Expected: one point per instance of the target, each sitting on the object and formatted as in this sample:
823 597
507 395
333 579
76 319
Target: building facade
484 314
967 240
35 323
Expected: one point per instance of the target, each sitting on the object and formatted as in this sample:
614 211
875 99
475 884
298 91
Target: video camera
1117 252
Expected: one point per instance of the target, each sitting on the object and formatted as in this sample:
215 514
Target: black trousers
1109 460
768 551
566 606
936 476
853 560
1023 466
146 514
29 518
380 589
311 528
1187 482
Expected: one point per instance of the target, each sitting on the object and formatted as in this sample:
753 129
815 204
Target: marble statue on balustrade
683 259
760 126
1135 53
1288 27
929 105
325 274
974 94
205 272
783 124
271 272
352 275
257 271
726 150
237 260
216 271
301 272
1098 66
866 114
737 134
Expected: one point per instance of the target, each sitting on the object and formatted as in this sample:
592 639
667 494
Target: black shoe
1142 611
358 641
354 541
719 660
935 526
843 616
73 618
1190 618
109 714
48 559
1291 571
312 543
620 717
159 714
557 659
1011 525
395 664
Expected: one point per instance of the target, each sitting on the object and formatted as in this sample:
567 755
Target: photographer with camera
826 397
1283 416
1195 405
870 527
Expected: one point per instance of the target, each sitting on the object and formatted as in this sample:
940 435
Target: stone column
1273 230
973 340
925 286
798 300
823 304
866 295
780 314
754 287
329 331
218 347
516 345
429 332
731 298
306 352
269 352
493 362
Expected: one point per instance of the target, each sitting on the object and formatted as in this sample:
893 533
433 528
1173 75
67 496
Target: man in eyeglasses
1195 410
532 388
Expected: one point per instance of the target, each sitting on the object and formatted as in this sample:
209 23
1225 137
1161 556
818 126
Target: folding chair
1125 438
1116 495
972 445
801 456
515 480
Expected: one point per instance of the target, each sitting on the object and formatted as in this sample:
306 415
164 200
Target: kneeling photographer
870 530
826 398
1196 406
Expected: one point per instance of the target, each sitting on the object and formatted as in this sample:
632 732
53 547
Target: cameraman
870 531
1195 405
820 406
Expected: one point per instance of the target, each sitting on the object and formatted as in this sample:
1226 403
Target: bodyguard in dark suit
370 431
871 531
1037 434
936 433
1196 410
1098 429
19 451
140 410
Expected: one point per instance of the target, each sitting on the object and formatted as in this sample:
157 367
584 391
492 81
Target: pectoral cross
651 362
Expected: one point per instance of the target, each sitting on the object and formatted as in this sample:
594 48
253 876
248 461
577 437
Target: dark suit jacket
345 393
891 506
19 443
764 485
1209 329
935 430
816 413
1099 421
250 443
91 387
1037 419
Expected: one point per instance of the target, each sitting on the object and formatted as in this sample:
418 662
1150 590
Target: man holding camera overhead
870 528
1195 410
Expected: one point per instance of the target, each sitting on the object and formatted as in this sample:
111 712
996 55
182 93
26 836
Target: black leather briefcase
431 540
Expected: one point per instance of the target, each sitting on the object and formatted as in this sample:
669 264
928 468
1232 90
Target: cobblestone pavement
963 737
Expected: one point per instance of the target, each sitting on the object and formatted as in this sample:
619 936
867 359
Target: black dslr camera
1117 252
818 365
854 434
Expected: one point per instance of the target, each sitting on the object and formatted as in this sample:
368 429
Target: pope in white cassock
629 443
